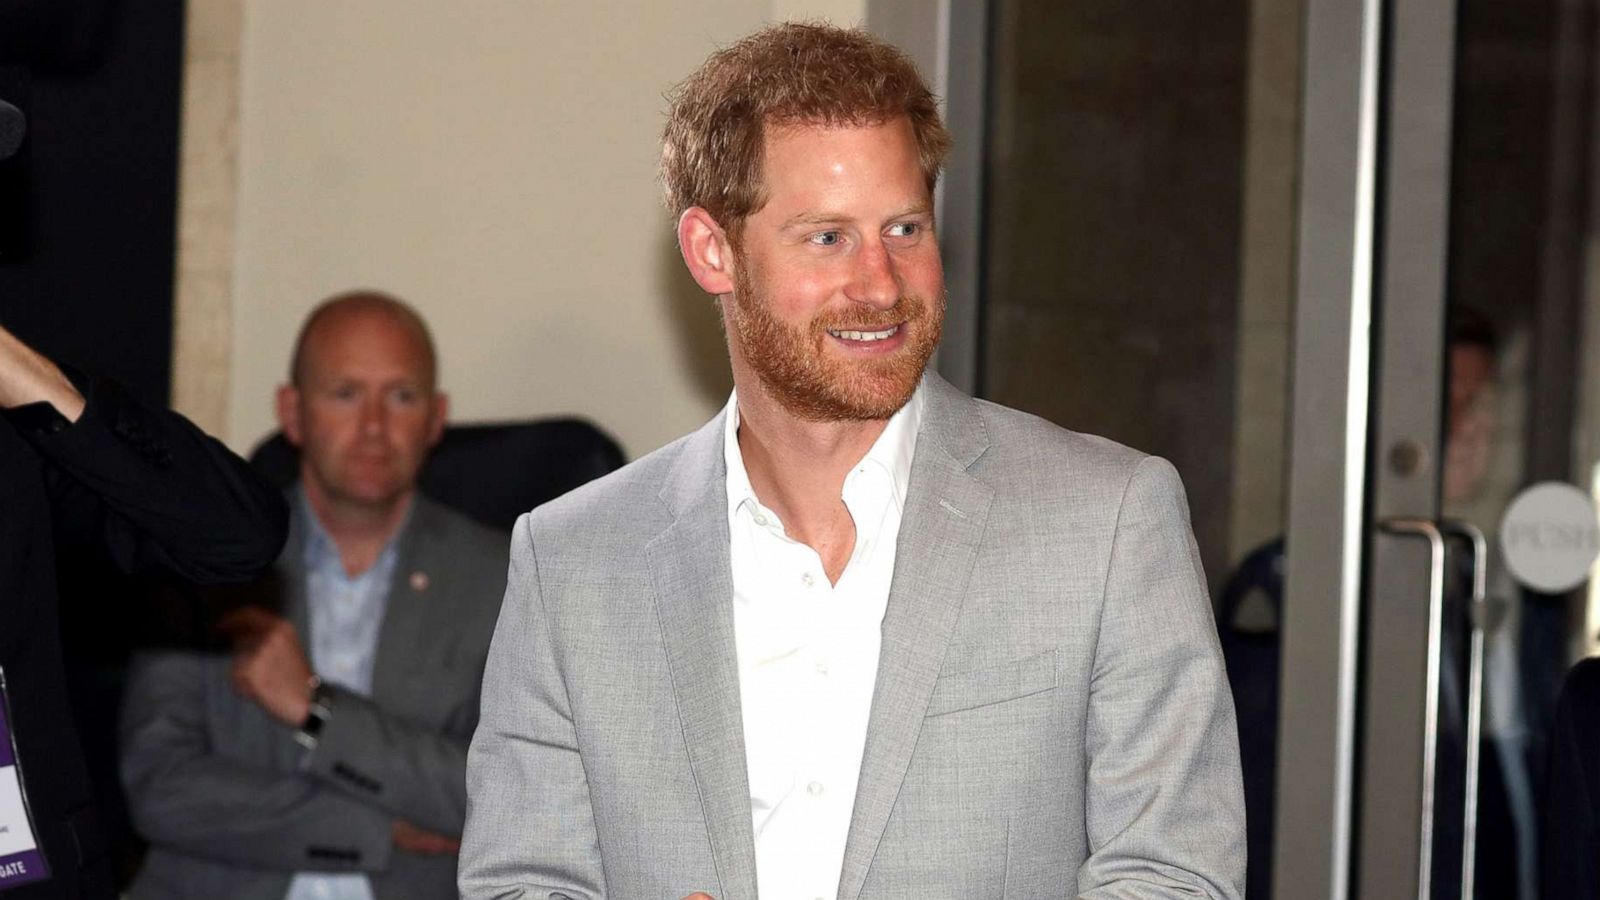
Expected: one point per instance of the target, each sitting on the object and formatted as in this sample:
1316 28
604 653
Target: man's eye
904 229
404 395
344 392
826 238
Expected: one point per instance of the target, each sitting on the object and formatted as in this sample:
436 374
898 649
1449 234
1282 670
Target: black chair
492 472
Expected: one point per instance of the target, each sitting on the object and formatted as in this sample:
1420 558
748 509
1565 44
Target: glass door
1482 516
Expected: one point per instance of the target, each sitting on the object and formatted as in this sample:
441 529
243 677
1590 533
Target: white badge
21 860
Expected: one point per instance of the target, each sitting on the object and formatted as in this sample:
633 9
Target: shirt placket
813 607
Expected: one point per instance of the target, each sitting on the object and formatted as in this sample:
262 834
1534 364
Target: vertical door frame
1325 536
1402 640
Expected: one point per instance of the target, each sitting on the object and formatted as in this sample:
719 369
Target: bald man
316 748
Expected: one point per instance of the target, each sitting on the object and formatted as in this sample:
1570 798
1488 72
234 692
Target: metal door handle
1476 615
1430 710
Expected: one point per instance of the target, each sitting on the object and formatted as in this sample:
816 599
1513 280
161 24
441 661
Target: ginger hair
794 74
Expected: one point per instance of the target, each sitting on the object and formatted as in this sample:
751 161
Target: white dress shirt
808 659
345 615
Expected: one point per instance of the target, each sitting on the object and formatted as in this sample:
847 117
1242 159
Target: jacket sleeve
383 760
1164 802
530 824
156 493
186 796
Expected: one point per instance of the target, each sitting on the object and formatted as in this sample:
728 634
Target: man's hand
699 895
26 377
412 839
269 666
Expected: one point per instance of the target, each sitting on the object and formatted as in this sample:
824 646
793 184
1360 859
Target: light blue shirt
344 615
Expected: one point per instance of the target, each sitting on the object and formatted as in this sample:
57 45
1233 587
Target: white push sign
1550 536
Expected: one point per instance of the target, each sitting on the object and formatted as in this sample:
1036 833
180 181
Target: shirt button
761 520
807 580
822 668
814 789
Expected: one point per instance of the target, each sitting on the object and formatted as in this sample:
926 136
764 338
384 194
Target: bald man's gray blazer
233 806
1051 717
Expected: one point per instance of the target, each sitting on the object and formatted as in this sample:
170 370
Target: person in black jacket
1571 845
80 457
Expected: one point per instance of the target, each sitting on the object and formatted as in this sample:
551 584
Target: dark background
88 210
88 205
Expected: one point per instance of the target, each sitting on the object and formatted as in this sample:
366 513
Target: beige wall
493 163
1266 278
839 12
202 341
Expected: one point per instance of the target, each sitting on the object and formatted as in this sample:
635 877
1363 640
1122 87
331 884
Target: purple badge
21 861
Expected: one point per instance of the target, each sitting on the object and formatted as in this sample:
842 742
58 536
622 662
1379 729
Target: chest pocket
994 684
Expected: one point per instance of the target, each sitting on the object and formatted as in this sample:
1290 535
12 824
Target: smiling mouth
865 335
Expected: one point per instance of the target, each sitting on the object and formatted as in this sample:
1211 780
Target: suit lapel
289 589
692 576
402 634
940 531
284 591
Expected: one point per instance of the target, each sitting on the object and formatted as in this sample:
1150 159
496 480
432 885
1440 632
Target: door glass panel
1523 356
1140 169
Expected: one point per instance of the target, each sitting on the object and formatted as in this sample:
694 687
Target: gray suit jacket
1051 717
230 803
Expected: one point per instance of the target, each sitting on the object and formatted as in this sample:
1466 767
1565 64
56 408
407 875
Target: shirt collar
893 450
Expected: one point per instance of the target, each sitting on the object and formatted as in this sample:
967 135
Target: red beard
794 366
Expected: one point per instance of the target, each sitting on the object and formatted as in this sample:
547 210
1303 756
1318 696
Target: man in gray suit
860 636
320 752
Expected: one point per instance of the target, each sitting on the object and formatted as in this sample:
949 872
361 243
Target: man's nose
875 282
373 416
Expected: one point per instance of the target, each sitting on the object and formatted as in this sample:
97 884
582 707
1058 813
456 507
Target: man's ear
706 251
288 404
